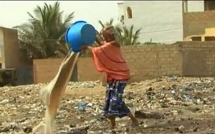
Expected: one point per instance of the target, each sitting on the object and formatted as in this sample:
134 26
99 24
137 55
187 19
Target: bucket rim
79 21
66 34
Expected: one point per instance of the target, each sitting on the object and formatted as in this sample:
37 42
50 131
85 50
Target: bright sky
14 13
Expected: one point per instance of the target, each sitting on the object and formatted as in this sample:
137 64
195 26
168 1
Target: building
166 21
10 54
199 26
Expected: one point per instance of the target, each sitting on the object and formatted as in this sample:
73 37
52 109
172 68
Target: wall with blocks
145 62
44 70
198 58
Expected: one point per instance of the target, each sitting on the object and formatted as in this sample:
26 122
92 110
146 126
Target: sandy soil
24 108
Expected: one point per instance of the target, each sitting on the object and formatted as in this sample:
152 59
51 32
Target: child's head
108 33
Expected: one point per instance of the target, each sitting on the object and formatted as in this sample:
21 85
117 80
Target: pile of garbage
163 105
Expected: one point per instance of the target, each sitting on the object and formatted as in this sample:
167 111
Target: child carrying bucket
108 58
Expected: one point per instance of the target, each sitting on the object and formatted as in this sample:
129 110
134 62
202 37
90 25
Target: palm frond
44 33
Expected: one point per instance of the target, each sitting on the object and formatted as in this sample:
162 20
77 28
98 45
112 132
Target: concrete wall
182 59
198 58
158 18
2 48
195 23
13 57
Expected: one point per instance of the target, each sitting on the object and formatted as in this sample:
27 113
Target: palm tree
127 35
124 34
109 23
43 35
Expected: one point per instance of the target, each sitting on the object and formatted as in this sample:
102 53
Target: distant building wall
195 23
161 21
13 57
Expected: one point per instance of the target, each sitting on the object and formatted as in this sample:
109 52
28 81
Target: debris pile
163 106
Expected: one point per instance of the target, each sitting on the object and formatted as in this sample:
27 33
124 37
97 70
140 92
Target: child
108 58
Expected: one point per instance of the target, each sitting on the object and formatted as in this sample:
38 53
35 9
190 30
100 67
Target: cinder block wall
144 62
45 69
198 58
181 58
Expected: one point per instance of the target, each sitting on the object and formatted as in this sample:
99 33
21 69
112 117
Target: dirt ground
192 121
21 108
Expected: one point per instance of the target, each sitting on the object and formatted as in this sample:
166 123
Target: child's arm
99 41
89 47
86 47
114 43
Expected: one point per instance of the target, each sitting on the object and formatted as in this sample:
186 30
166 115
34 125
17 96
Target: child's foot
112 122
134 124
134 121
112 127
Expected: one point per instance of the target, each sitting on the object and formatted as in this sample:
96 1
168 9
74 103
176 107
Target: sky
13 13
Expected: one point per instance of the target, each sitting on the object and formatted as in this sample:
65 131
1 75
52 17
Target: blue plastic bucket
80 33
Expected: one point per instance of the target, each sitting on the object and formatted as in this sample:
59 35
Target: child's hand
83 47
